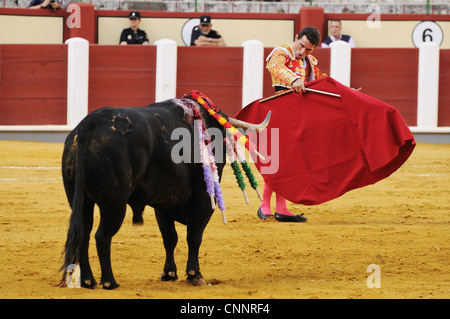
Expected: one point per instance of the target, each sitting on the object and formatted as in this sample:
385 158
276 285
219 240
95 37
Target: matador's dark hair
312 33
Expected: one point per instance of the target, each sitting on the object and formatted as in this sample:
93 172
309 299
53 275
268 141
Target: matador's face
303 47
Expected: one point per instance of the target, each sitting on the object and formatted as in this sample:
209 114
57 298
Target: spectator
134 35
335 30
203 35
45 4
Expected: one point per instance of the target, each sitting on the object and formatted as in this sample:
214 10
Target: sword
291 90
323 92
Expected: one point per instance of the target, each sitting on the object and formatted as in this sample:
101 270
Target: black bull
120 156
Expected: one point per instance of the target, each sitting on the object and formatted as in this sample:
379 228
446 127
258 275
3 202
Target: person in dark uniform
45 4
203 35
134 35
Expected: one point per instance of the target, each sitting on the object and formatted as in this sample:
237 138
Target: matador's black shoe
290 219
263 216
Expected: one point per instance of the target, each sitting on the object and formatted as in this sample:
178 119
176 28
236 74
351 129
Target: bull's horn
245 125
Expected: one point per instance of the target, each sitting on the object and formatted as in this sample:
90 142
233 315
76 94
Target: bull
122 156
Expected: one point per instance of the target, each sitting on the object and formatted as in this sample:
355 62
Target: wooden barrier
444 85
121 76
389 75
215 72
33 84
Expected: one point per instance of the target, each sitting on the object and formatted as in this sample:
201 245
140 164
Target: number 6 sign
427 31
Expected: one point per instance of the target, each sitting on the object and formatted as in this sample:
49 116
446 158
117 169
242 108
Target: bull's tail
75 234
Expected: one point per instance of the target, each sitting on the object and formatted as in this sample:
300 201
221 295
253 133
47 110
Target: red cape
329 145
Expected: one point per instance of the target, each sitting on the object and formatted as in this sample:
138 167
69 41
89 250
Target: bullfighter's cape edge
327 145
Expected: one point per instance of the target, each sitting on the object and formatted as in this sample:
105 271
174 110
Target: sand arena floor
401 225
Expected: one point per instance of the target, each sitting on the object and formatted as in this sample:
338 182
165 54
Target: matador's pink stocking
265 204
281 207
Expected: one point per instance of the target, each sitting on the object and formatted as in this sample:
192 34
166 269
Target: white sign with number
186 31
427 31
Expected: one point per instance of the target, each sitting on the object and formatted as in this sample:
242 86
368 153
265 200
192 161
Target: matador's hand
298 86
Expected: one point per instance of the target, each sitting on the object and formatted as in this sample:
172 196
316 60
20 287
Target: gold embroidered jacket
285 69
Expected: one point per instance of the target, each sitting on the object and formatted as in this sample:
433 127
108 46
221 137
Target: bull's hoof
171 276
89 283
196 279
110 285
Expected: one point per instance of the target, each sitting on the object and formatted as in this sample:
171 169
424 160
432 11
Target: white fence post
252 71
77 80
428 85
340 61
166 70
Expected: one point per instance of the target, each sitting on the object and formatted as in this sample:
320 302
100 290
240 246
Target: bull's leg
138 207
111 218
87 278
194 239
170 239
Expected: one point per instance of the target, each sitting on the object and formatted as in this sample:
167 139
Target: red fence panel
121 75
389 75
216 72
444 85
33 79
33 84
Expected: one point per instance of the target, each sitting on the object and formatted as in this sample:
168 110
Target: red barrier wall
216 72
33 84
388 75
121 75
444 91
33 79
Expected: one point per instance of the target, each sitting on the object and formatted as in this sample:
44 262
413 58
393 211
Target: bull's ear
257 127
